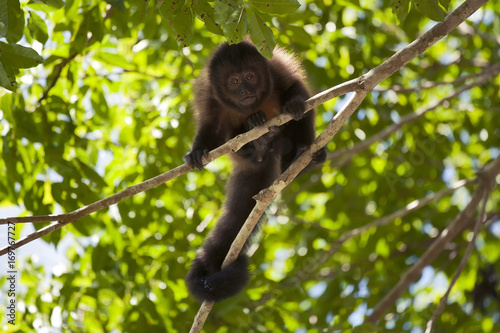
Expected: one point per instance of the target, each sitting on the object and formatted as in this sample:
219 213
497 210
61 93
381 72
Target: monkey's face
240 77
242 88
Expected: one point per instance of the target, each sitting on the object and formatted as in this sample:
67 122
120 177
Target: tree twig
429 85
347 154
450 232
59 67
411 207
479 222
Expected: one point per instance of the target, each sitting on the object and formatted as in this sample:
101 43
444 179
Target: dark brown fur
238 90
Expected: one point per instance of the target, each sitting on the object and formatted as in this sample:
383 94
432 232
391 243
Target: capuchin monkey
238 90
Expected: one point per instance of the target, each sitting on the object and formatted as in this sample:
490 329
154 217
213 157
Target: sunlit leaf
261 34
19 56
37 27
276 6
13 20
431 9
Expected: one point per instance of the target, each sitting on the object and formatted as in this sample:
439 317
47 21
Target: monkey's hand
319 156
258 119
295 107
194 158
260 145
255 119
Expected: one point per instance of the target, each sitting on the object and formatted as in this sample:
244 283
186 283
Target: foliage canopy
97 97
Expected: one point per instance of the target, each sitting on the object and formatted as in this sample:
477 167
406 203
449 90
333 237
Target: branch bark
266 196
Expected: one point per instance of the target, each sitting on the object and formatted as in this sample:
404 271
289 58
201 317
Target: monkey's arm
292 100
300 132
209 136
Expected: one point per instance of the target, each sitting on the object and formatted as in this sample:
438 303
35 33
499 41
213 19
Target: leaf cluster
108 106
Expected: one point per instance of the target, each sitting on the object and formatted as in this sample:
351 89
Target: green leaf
54 3
4 18
13 20
236 26
118 4
95 23
99 103
37 27
183 27
261 34
222 11
206 13
444 3
19 56
7 77
382 248
276 6
115 60
431 9
171 8
400 9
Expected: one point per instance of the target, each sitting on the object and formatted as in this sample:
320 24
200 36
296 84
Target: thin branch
480 220
418 46
450 232
347 154
409 208
63 219
59 67
266 196
468 30
429 85
201 317
57 74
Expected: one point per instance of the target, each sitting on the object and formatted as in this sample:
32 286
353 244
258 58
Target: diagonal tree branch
341 157
266 196
429 85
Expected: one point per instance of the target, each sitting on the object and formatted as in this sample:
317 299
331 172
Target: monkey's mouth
248 100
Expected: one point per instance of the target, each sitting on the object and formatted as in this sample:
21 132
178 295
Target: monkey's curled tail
206 285
206 280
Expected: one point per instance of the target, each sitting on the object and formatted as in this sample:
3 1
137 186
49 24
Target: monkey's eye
249 77
234 80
